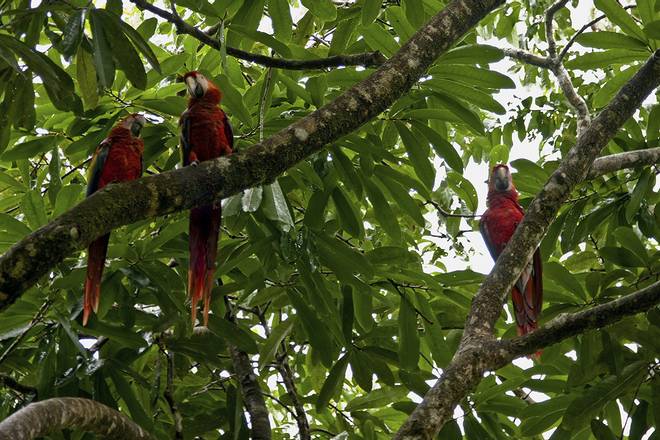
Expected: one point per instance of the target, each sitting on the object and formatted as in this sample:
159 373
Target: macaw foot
194 163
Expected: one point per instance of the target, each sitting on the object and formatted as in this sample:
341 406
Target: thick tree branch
252 395
567 325
470 361
528 57
300 414
368 59
628 159
250 388
41 418
117 205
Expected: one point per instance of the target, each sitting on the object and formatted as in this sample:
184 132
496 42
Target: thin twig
449 214
169 393
367 59
570 42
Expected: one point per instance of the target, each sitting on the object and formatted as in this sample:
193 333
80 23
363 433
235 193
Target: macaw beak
194 88
137 125
501 179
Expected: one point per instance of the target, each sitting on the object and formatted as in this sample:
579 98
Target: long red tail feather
204 232
525 311
95 262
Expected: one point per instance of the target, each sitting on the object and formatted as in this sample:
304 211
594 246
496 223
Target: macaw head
199 87
134 122
500 179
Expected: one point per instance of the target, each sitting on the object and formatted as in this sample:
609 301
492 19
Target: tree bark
42 418
252 395
629 159
117 205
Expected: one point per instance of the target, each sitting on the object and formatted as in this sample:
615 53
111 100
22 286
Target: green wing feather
96 167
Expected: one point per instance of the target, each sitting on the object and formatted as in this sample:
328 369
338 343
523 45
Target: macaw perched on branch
497 226
117 159
205 134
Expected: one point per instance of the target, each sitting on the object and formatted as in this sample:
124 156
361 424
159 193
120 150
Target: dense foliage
342 273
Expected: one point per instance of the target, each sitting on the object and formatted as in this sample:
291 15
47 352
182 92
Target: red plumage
205 134
117 159
497 226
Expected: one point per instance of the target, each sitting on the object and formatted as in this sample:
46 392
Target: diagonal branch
554 63
178 190
567 325
471 359
628 159
42 418
10 382
367 59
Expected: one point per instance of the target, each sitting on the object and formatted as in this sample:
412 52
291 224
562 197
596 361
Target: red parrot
205 135
117 159
497 225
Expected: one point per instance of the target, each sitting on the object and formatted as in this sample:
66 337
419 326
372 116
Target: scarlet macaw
117 159
497 225
205 134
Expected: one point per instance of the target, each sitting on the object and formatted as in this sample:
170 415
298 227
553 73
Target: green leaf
469 94
275 206
34 209
607 91
441 146
539 417
73 32
464 113
103 59
405 201
122 50
610 40
12 226
86 77
320 341
349 216
323 9
370 11
377 398
382 210
472 54
605 59
31 148
463 189
408 336
620 256
620 17
125 391
315 212
601 431
272 344
379 39
332 385
643 184
280 14
67 197
587 405
653 29
627 238
141 44
475 76
244 340
349 256
559 274
233 100
418 153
